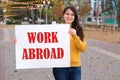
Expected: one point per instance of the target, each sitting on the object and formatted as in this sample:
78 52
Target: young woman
77 45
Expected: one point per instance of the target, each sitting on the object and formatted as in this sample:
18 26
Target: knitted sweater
76 47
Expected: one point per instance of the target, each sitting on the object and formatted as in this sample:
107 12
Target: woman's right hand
72 31
14 40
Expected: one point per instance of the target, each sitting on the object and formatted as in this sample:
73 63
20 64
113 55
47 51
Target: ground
104 35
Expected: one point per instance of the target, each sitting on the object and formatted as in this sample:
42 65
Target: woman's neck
69 24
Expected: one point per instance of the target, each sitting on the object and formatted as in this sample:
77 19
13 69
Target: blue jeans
67 73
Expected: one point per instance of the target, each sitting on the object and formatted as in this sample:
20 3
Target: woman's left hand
72 31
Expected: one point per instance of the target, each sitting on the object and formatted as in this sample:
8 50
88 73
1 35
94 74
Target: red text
42 37
38 53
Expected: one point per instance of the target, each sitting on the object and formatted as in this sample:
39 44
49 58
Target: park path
114 48
101 61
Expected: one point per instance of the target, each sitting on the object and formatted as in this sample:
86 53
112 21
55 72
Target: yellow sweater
76 47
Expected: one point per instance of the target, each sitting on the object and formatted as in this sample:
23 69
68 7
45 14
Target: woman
77 45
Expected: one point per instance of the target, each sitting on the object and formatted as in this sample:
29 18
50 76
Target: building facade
94 14
98 14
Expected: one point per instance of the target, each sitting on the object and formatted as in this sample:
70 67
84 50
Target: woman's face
68 16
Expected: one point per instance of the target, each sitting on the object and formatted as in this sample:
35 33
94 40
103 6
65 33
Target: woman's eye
72 14
67 13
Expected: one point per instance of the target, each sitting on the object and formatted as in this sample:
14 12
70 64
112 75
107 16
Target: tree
109 10
117 4
58 9
3 7
25 8
83 11
28 8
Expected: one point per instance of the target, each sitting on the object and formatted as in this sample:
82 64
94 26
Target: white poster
42 46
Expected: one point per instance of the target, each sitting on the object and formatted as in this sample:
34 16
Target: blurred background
91 12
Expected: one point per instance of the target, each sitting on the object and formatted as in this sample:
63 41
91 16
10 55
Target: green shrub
13 22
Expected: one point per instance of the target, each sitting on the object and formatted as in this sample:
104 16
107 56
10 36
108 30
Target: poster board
42 46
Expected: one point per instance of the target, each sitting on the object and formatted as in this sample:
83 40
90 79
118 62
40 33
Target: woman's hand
72 31
14 40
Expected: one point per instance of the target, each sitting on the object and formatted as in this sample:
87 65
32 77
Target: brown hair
75 25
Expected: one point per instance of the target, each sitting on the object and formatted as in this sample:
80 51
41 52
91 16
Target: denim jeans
67 73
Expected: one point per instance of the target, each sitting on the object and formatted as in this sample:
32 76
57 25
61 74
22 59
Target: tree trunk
35 16
119 25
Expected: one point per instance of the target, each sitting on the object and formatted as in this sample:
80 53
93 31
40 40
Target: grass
104 35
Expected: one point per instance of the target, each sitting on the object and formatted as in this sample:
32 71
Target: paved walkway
114 48
99 63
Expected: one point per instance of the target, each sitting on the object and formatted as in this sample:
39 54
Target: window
89 19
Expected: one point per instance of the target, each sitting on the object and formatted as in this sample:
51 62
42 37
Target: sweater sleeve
81 45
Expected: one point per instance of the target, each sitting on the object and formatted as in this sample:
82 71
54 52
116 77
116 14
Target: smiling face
68 16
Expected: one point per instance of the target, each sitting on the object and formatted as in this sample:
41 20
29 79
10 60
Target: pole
40 12
46 6
46 13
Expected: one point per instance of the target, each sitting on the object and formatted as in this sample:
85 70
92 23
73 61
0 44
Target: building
96 15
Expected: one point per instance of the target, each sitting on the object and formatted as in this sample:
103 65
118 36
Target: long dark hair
75 25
